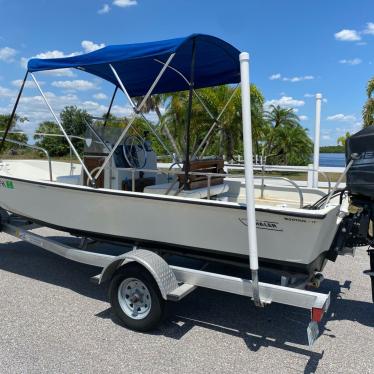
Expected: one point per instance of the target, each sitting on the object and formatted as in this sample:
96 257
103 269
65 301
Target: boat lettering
264 225
293 219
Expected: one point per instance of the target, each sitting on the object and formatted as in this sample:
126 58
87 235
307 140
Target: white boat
199 227
209 221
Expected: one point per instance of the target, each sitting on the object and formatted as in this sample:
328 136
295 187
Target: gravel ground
53 320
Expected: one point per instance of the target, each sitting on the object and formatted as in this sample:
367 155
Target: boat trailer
141 281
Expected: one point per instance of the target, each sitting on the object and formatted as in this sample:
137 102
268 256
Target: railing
36 148
209 177
283 168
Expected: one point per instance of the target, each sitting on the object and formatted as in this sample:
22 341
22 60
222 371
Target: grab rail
38 149
209 176
263 186
270 168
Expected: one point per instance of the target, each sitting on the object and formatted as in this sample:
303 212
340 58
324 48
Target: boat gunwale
297 212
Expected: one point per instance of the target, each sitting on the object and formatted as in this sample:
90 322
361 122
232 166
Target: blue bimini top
138 65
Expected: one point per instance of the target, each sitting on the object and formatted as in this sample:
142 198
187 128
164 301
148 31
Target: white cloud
354 61
347 35
121 111
342 117
303 118
52 54
279 76
7 54
285 101
369 28
309 95
105 9
55 54
298 79
361 43
275 76
6 92
100 96
89 46
29 84
326 137
60 73
78 84
125 3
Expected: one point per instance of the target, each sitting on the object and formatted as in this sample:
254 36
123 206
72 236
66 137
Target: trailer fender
152 262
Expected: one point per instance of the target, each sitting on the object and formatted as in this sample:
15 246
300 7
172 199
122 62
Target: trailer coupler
370 272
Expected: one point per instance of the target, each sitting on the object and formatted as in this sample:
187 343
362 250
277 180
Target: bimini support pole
63 131
110 106
317 131
136 109
216 120
249 181
11 118
189 115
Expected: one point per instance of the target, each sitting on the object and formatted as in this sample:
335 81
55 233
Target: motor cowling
360 187
360 176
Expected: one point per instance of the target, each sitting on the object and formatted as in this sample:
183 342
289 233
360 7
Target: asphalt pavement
54 320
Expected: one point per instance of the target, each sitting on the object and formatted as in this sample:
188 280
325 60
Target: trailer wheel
136 298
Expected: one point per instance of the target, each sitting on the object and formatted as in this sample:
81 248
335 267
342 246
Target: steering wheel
134 152
174 164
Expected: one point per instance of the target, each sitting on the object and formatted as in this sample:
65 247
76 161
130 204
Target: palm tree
153 104
368 110
277 117
226 138
342 139
293 145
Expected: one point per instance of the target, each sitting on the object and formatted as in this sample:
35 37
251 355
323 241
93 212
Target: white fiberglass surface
282 199
37 169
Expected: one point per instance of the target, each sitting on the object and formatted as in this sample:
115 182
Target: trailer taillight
317 314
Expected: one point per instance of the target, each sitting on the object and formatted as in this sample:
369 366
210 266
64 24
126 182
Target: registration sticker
6 184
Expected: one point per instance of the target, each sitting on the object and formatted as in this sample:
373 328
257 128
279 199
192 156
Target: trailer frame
174 282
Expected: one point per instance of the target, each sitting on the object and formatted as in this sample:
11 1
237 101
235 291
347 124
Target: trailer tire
135 298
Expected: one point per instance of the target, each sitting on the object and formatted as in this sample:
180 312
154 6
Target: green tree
368 110
342 139
286 141
153 104
20 137
226 139
57 146
74 121
293 145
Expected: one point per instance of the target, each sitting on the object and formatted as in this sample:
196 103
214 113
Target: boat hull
289 238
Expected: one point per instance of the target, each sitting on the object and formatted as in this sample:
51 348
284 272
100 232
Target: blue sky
297 48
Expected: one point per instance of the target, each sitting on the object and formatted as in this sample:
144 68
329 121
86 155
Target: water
332 159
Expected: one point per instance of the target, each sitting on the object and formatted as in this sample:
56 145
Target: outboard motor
360 186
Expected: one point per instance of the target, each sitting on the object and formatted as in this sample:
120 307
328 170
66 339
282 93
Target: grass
299 176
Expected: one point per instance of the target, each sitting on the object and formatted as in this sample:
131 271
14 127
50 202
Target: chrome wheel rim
134 298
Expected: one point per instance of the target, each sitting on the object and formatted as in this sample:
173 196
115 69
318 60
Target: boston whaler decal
6 184
263 224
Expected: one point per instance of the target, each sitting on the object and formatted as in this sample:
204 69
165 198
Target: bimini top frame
135 68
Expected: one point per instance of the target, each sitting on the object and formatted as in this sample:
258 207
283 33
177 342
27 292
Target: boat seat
197 193
69 179
215 166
